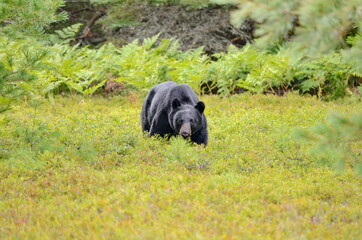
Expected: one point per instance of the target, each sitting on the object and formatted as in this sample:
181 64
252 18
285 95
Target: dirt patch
208 27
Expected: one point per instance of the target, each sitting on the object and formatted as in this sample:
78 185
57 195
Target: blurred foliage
23 18
18 58
22 22
353 55
335 139
317 26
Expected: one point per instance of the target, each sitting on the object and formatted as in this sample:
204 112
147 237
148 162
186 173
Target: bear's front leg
200 137
160 125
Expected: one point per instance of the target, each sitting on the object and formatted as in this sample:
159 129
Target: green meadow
80 168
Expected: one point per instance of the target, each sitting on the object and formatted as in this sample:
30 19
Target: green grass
82 169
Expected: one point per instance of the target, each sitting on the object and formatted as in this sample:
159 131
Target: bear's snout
185 130
185 134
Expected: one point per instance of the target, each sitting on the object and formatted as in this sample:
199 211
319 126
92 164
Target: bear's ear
200 106
175 103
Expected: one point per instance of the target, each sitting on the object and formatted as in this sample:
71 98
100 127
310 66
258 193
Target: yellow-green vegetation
82 169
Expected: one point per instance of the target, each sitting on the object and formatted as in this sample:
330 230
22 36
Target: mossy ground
81 169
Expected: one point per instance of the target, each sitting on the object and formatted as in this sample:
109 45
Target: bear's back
184 94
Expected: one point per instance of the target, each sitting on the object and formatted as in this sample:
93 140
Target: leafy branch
337 142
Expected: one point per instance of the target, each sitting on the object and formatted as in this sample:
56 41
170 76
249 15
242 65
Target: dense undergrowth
36 68
82 168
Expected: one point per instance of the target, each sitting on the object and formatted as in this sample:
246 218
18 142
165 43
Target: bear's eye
180 121
192 120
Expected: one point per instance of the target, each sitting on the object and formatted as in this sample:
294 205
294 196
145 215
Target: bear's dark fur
172 109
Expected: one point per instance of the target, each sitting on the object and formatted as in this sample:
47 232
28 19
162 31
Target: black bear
172 109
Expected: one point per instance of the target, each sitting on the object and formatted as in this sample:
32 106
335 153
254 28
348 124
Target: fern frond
67 34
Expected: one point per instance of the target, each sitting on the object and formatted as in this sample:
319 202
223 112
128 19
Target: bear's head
186 119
